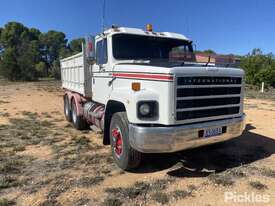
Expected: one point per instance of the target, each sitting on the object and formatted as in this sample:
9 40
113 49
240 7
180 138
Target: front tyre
124 155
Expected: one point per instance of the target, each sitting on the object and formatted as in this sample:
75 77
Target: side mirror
90 48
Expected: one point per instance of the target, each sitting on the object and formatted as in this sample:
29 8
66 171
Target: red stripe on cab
166 77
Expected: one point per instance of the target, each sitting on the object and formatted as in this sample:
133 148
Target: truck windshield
137 47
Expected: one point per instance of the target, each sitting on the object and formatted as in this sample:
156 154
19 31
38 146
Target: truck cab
146 98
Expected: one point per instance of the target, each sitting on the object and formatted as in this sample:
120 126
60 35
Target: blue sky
226 26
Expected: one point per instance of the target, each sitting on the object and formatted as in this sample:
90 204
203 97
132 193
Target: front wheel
124 155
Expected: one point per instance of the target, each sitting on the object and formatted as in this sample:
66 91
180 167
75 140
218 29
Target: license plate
212 132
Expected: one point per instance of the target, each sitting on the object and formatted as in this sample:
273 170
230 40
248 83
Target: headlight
147 109
144 109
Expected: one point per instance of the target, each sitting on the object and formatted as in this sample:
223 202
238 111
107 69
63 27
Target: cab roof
127 30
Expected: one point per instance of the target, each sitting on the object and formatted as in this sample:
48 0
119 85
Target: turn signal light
135 86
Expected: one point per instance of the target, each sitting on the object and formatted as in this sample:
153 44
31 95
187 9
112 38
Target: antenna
103 15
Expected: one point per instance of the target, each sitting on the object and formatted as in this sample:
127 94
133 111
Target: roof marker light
149 27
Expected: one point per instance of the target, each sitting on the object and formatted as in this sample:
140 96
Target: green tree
1 45
64 52
26 53
9 67
21 51
52 42
27 60
259 67
209 51
53 45
12 34
76 45
34 34
55 71
41 69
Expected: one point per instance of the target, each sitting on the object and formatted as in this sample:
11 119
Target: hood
180 70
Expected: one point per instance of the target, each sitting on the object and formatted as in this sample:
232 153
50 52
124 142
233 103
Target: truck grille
202 97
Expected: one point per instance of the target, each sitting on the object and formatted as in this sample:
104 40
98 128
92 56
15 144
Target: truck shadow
201 162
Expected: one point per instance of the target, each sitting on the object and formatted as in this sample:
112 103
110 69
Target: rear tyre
124 155
67 109
78 121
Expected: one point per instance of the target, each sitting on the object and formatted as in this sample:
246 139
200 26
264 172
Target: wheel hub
117 139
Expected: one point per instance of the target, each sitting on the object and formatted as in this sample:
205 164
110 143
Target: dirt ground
44 161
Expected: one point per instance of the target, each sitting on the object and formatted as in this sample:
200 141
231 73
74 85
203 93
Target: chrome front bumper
176 138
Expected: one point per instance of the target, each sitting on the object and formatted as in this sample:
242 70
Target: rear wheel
67 109
78 121
124 155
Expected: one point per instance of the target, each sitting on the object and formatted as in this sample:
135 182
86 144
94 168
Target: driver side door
100 86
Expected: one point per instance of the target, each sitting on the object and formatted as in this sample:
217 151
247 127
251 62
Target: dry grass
9 181
111 201
4 102
160 197
254 92
32 130
268 172
258 185
228 177
141 192
6 202
222 179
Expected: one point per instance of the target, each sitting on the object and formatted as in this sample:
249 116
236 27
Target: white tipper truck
145 98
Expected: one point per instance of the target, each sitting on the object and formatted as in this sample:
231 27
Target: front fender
130 98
